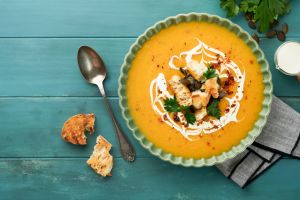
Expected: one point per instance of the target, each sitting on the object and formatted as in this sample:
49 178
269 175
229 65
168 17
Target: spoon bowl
91 65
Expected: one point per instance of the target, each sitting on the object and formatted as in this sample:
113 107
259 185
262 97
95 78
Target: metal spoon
93 70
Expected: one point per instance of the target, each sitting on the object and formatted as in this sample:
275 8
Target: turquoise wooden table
40 87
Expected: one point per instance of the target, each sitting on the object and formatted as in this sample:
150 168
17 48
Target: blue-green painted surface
40 87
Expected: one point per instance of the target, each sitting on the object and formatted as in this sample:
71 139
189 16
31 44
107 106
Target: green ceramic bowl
259 124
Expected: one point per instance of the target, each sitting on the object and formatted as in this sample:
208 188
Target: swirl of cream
159 92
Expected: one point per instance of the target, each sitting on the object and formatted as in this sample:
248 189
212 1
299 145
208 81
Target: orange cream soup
153 59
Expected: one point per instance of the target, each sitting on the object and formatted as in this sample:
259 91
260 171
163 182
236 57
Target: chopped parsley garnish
213 108
189 116
171 105
210 73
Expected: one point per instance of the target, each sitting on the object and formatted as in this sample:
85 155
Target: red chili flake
240 77
227 110
213 66
233 105
251 62
227 60
230 79
246 97
199 122
229 92
157 65
176 118
165 117
229 52
160 120
208 143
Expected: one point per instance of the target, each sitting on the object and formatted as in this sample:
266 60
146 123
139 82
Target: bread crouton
212 87
74 128
101 161
200 99
182 93
196 69
200 114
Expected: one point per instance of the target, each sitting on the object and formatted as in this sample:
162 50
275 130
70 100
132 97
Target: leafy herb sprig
171 105
213 108
264 12
210 73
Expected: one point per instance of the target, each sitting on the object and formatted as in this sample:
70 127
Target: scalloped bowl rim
244 143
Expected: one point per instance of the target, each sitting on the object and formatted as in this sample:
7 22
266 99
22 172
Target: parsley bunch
171 105
264 12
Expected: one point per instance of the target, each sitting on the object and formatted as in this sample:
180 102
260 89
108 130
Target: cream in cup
287 58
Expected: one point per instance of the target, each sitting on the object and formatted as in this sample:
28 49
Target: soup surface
160 59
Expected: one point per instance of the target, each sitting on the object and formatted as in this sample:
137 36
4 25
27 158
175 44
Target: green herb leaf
264 11
230 6
264 15
210 73
171 105
213 109
277 6
189 116
249 5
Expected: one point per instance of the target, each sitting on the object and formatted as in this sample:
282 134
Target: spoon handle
126 148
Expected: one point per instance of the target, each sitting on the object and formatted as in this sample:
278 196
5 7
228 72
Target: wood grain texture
105 18
40 87
48 66
144 179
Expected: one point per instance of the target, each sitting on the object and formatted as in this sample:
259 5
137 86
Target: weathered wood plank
30 123
144 179
48 67
27 124
113 18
